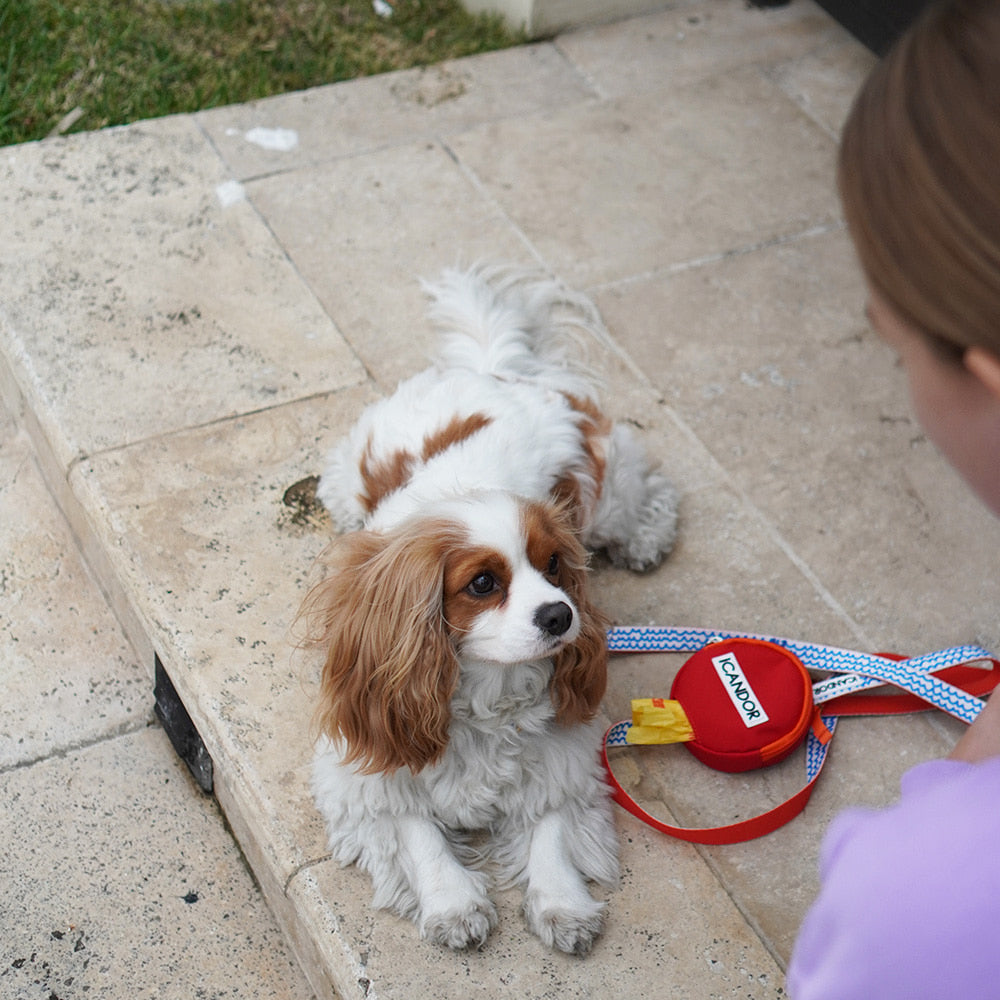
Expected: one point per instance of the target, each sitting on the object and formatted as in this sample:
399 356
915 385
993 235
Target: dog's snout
554 618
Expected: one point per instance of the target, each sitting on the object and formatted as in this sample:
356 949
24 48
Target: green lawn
90 63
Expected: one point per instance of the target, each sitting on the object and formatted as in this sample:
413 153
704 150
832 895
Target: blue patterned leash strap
817 749
858 671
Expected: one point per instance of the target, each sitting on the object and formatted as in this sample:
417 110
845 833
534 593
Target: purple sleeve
910 900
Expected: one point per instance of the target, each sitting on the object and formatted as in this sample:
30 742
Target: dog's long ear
390 667
581 668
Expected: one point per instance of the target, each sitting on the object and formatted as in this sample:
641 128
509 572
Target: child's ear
985 365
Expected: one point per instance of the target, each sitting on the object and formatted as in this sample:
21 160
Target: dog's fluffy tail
515 324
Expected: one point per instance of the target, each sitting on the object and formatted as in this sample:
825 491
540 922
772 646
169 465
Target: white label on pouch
738 688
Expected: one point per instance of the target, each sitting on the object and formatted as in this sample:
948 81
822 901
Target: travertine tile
67 674
643 184
826 79
293 130
728 571
802 408
131 278
671 931
767 358
363 231
689 41
154 902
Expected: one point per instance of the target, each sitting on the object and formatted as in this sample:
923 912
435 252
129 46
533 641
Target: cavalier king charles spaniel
464 662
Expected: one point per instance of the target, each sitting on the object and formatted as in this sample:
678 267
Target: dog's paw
570 926
634 555
460 929
652 533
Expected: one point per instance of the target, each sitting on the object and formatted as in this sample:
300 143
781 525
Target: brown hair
919 175
390 666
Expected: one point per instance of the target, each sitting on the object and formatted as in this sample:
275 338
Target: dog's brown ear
390 669
581 668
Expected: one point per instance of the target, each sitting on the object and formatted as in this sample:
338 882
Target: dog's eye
482 585
553 569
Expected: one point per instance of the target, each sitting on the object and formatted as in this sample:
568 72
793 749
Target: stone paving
192 309
119 876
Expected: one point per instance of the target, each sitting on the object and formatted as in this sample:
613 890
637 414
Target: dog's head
491 579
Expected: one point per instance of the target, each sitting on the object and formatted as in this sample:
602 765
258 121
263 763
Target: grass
85 64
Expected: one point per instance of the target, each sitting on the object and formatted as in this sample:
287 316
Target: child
910 902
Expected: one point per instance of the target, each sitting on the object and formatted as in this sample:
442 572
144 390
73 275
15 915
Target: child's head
919 177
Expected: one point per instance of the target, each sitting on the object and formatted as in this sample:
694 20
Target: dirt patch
301 507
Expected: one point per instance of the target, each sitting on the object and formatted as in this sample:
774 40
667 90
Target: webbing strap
863 670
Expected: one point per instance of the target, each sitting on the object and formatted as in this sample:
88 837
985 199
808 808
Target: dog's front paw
460 929
569 925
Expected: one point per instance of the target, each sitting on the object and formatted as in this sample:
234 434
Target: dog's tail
515 324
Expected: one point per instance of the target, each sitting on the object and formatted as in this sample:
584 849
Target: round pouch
749 703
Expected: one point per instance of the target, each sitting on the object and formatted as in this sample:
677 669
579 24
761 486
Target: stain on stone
302 508
184 316
51 968
429 87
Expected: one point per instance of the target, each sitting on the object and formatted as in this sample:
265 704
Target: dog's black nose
554 618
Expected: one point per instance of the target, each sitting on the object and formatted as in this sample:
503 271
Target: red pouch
748 703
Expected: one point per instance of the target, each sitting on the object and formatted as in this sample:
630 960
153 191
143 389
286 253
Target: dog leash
943 679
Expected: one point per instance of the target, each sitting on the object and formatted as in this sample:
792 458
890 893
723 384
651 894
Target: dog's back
500 409
509 405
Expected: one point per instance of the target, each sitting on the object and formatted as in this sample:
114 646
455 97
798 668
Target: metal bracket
178 726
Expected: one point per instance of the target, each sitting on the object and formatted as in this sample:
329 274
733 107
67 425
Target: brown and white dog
464 661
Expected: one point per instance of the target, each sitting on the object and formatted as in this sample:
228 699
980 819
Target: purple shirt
909 907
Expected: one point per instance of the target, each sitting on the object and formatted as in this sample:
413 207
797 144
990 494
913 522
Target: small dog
464 661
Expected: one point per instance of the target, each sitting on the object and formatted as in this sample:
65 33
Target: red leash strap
732 833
